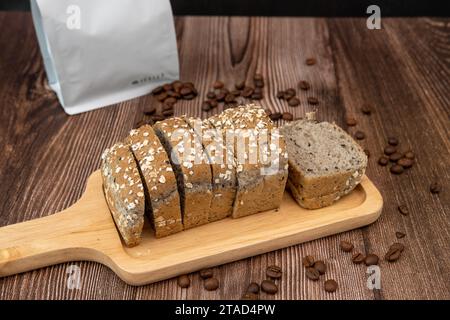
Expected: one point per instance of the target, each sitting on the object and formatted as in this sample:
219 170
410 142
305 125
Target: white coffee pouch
100 52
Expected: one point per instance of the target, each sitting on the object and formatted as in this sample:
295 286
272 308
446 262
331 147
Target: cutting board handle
71 235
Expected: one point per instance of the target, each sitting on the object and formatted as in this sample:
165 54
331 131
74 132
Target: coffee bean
320 267
221 96
395 156
435 187
211 95
211 284
291 92
367 110
388 150
157 90
360 135
275 116
350 121
358 258
149 109
394 252
157 117
294 102
168 113
304 85
330 285
256 96
183 281
250 296
409 155
206 106
273 272
400 235
392 141
240 85
371 259
253 288
218 85
383 161
230 98
189 84
236 93
162 96
280 94
346 246
259 83
288 116
403 209
367 152
189 96
177 85
247 92
170 101
213 104
168 105
313 100
308 261
186 91
405 163
310 61
257 77
167 87
268 286
312 274
397 169
206 273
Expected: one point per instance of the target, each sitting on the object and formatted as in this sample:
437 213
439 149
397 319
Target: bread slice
124 192
261 175
325 163
192 170
162 199
223 168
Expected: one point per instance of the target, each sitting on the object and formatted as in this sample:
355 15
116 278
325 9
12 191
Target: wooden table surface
401 71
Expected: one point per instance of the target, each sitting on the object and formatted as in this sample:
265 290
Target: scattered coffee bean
409 155
403 209
330 285
221 96
400 235
167 105
294 102
310 61
405 163
206 106
253 288
304 85
308 261
383 161
170 101
162 96
206 273
236 93
346 246
358 258
280 94
157 90
240 85
273 272
313 100
397 169
168 113
320 267
268 286
177 85
360 135
275 116
211 95
388 150
392 141
371 259
395 156
350 121
250 296
213 104
312 274
256 96
211 284
184 281
218 85
435 187
185 91
247 92
367 110
174 94
394 252
167 87
287 116
230 98
149 109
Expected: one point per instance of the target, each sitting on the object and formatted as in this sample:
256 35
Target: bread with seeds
160 186
192 171
124 192
325 163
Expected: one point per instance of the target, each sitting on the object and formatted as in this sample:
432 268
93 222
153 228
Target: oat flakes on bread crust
124 192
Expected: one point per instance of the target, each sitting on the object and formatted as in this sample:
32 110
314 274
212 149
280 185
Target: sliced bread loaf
261 164
160 185
191 169
124 192
223 168
325 163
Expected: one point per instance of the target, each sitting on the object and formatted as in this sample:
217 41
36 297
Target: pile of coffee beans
169 93
268 286
400 160
357 257
316 268
289 95
210 283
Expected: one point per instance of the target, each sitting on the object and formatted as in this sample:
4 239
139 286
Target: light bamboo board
86 231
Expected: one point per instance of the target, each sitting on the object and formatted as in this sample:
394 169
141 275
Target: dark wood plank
50 155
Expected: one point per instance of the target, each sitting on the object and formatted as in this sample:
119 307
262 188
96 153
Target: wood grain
401 70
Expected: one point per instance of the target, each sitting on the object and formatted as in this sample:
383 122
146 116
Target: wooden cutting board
86 231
